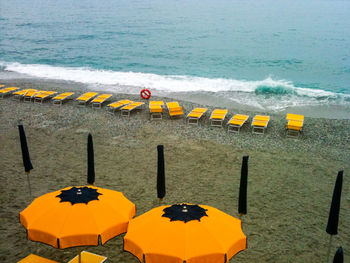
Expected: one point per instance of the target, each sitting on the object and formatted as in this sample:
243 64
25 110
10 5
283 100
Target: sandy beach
290 181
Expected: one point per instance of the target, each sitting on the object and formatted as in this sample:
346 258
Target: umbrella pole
241 218
30 189
79 254
329 247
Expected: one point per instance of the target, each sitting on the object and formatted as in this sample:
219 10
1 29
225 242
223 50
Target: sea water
264 55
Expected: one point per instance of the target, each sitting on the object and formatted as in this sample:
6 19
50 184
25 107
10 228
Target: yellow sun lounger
194 116
19 94
175 110
85 98
156 109
35 259
126 110
29 95
236 122
294 125
112 107
43 95
99 100
217 117
7 91
60 98
87 257
260 123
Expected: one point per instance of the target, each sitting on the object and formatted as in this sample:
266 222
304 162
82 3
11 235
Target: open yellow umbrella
184 232
77 216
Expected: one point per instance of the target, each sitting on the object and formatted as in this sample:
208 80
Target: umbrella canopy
184 232
77 216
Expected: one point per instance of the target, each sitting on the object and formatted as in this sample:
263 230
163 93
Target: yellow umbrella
184 232
77 216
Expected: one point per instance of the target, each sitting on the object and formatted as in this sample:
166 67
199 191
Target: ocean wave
171 83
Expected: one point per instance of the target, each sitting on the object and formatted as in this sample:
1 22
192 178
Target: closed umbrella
184 232
160 173
25 154
242 200
339 256
91 162
333 218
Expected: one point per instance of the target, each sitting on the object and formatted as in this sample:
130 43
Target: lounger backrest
31 93
5 90
241 117
261 118
132 106
295 117
172 105
219 114
197 112
44 94
200 110
119 103
156 103
62 96
87 96
23 91
102 97
35 259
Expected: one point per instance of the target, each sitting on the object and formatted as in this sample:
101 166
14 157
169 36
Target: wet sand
290 181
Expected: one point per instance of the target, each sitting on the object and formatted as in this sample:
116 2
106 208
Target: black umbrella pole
30 189
329 248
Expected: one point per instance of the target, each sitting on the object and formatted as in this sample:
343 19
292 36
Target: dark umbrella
91 164
160 173
25 154
339 256
242 200
333 218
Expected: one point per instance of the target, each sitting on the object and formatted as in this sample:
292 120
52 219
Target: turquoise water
266 54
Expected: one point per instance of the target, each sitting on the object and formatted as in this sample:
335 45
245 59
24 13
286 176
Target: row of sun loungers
156 108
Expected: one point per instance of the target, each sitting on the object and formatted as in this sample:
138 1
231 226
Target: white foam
166 83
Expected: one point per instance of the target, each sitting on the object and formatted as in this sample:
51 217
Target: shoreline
290 181
220 100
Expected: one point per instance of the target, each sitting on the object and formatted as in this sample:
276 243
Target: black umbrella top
184 212
76 195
